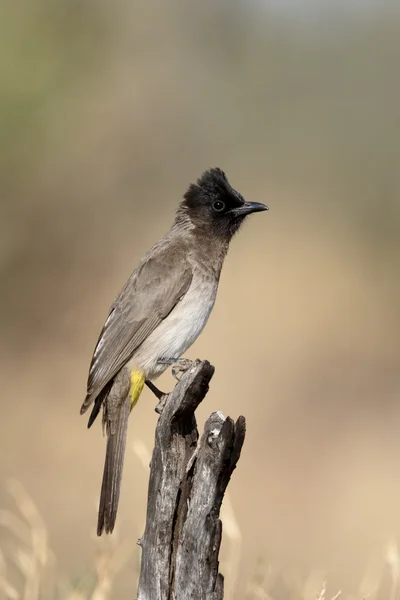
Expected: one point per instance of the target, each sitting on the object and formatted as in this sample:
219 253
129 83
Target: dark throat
207 245
210 250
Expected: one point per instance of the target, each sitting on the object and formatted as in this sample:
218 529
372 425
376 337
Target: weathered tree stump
188 479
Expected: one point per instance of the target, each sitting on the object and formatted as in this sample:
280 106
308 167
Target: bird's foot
162 397
161 405
179 366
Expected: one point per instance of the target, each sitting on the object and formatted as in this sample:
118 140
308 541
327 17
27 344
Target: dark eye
219 206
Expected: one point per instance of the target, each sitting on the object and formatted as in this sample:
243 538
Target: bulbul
159 313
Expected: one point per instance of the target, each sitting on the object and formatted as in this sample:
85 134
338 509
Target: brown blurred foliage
108 111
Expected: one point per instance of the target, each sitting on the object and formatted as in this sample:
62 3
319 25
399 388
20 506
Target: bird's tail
117 407
112 473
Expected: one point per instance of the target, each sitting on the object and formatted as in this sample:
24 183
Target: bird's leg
158 393
161 405
179 365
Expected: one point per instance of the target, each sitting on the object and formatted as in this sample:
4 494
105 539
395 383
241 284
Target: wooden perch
188 480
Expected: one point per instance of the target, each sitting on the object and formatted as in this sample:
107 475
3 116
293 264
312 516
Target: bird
161 310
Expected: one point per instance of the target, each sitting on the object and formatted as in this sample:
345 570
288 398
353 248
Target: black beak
249 207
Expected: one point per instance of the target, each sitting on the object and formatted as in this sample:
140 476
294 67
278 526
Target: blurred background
108 112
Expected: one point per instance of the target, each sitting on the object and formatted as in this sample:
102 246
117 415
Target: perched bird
158 314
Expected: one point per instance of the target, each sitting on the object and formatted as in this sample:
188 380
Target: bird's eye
219 206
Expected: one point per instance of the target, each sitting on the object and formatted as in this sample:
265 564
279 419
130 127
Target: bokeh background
108 111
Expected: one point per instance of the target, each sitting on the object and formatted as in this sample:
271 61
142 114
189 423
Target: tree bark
188 479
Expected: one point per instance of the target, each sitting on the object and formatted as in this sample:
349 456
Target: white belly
178 331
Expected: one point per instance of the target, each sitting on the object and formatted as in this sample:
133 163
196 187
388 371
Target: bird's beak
249 207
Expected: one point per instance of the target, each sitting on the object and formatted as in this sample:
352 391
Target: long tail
117 404
114 462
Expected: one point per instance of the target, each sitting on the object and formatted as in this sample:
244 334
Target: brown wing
149 295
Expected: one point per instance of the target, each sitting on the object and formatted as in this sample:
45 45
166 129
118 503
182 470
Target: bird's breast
180 329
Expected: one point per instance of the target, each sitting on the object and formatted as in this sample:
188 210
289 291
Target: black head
212 204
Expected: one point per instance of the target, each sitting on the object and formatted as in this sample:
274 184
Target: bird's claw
161 404
179 366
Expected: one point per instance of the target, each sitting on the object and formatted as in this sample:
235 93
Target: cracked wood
188 479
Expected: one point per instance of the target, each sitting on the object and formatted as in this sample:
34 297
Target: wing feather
150 294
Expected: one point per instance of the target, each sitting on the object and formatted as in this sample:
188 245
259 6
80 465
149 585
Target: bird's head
211 204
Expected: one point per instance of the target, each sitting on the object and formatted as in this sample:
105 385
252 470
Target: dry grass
29 570
108 113
28 567
381 581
